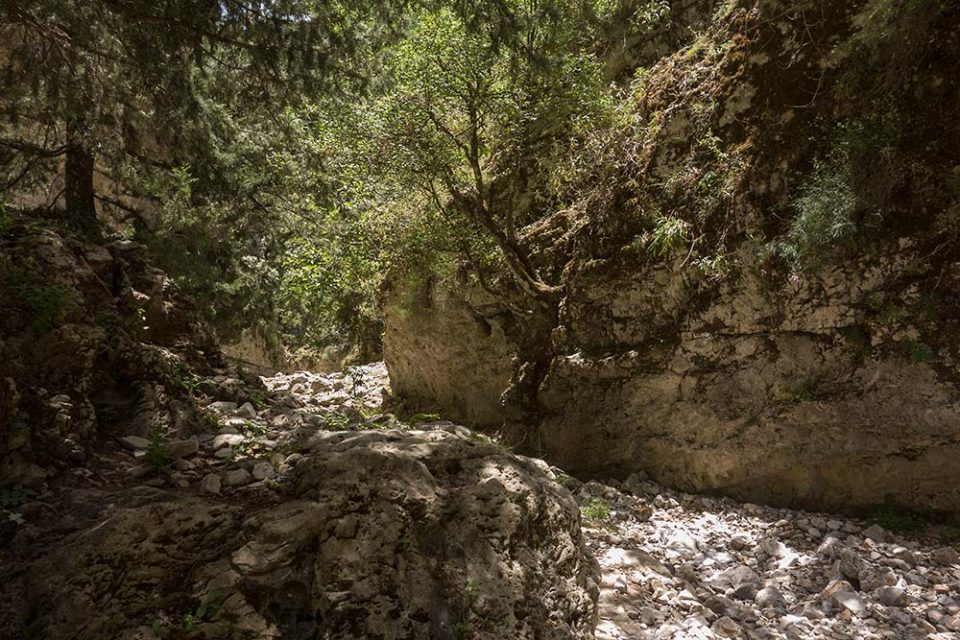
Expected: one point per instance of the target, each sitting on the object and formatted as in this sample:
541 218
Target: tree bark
78 178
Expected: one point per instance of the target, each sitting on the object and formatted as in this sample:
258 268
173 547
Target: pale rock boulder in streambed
380 534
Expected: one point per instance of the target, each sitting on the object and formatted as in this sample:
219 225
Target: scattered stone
953 623
263 470
227 440
875 533
726 627
183 448
850 601
223 454
946 556
135 443
835 586
770 598
210 483
851 564
223 407
179 480
237 478
737 577
247 410
872 579
683 543
892 597
141 470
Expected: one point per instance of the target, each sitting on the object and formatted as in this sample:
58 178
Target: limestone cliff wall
447 351
796 393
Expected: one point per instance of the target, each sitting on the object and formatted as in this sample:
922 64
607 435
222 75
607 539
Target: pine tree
91 85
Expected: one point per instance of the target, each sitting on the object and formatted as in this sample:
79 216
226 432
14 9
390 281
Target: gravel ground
683 566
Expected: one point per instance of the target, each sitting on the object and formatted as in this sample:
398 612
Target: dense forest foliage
282 158
279 157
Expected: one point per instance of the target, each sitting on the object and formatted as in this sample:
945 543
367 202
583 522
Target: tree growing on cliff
472 109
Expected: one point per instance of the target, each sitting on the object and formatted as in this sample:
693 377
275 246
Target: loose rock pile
682 566
259 435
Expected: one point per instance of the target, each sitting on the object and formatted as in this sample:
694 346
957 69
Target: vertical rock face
768 395
446 352
87 332
776 395
721 325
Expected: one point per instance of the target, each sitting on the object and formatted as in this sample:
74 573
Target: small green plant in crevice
356 381
826 218
186 379
155 624
595 509
259 399
210 421
366 411
915 352
158 452
19 429
887 313
10 517
896 519
462 628
7 221
802 390
334 421
858 339
255 429
566 481
479 437
714 267
48 303
419 418
207 610
139 322
667 236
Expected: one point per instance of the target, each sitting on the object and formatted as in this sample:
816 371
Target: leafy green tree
184 124
473 102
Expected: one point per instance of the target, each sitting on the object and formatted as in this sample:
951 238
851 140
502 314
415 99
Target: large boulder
383 534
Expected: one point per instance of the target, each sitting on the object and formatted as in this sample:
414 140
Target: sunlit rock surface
362 534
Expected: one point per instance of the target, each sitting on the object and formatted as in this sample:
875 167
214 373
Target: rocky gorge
480 320
318 510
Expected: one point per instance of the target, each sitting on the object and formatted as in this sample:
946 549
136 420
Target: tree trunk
517 259
78 174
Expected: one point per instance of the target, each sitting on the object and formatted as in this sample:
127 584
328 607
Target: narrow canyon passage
671 565
479 320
